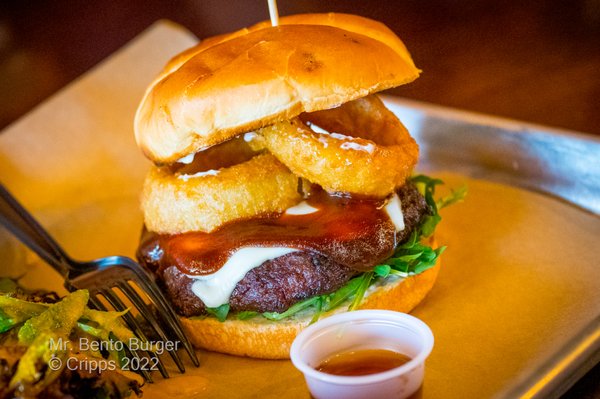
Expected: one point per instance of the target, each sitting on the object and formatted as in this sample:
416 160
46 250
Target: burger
282 189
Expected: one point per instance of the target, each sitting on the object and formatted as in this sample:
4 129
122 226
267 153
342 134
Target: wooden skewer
273 13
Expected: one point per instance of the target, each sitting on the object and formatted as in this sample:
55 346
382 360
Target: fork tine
98 276
165 310
114 300
96 303
137 329
146 312
145 373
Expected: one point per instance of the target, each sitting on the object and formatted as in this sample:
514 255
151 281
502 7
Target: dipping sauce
362 362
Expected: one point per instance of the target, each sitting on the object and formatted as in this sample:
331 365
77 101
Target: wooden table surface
536 61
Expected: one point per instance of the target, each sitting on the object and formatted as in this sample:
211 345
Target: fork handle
22 225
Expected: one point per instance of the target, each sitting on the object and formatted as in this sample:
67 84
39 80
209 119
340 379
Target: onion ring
374 155
228 153
206 200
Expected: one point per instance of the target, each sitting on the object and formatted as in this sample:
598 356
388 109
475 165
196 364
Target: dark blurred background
536 61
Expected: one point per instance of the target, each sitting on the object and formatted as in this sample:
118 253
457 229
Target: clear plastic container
361 330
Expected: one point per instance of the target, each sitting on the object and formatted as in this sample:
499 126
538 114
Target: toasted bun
264 339
255 77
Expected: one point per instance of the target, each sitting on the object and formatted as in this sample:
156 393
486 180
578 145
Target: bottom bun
266 339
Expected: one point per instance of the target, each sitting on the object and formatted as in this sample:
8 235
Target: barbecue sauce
355 232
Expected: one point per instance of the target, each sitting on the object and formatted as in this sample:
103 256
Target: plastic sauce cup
360 330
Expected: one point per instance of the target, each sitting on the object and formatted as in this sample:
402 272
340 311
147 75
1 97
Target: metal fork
102 277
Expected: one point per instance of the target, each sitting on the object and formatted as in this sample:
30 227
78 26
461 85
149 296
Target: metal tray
557 163
515 311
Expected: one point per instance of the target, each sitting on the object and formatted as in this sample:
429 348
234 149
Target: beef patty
277 284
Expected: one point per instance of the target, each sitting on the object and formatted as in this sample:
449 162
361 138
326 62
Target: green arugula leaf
382 270
220 313
246 314
339 296
318 309
429 224
455 196
292 310
399 265
426 180
429 260
412 257
360 293
426 186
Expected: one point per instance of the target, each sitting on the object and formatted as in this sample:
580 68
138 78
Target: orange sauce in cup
362 362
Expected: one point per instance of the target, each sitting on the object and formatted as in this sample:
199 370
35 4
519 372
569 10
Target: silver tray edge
560 163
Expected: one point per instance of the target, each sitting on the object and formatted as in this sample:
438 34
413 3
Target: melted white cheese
351 145
248 137
316 128
188 159
301 209
394 210
211 172
216 288
349 142
339 136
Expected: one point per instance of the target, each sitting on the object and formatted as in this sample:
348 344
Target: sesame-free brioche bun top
255 77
